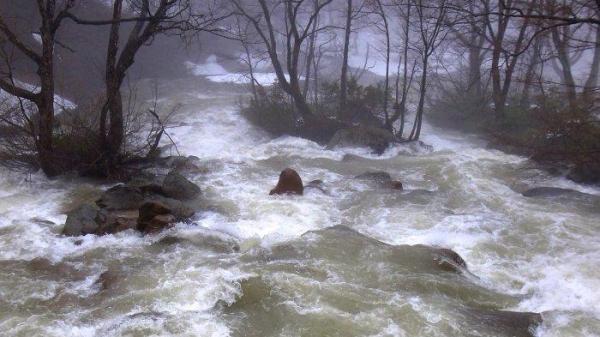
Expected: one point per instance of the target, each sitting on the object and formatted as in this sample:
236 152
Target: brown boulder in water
289 183
154 216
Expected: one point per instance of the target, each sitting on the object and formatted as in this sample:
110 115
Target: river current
251 264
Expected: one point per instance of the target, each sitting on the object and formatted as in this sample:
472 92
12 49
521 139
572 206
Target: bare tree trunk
147 25
386 84
251 70
401 105
113 94
530 72
342 113
416 131
561 45
592 81
311 53
294 37
498 98
501 86
45 101
474 86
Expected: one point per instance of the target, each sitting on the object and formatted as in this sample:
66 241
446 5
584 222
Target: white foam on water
544 251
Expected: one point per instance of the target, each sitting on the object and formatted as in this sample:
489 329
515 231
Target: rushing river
258 265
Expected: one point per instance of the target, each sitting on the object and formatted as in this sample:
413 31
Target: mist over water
260 265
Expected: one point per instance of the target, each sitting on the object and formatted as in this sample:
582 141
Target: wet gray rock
506 323
88 219
180 209
352 157
317 185
378 176
377 139
81 221
565 196
147 182
215 243
548 192
121 197
179 187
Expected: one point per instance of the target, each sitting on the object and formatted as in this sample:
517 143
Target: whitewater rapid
541 253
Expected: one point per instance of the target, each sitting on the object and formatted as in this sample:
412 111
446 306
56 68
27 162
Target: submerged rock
289 183
377 139
343 273
381 178
548 192
317 185
506 323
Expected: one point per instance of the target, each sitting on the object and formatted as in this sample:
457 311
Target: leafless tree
402 94
51 13
506 49
431 30
298 19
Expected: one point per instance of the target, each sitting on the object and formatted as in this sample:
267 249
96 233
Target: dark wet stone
178 187
108 279
317 185
156 224
47 269
181 210
382 178
147 183
111 222
377 176
396 185
156 216
121 197
547 192
151 209
41 221
507 323
352 157
81 221
450 260
289 183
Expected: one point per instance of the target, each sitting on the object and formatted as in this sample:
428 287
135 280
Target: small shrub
272 112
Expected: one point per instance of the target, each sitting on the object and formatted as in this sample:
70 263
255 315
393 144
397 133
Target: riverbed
251 264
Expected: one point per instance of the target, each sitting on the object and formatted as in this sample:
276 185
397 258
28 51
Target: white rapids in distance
542 252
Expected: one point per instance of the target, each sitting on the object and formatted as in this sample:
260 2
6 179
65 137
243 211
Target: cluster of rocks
148 203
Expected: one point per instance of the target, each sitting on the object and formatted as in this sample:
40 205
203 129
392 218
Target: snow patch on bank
8 101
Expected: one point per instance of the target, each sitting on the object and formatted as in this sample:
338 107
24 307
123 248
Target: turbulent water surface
337 263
